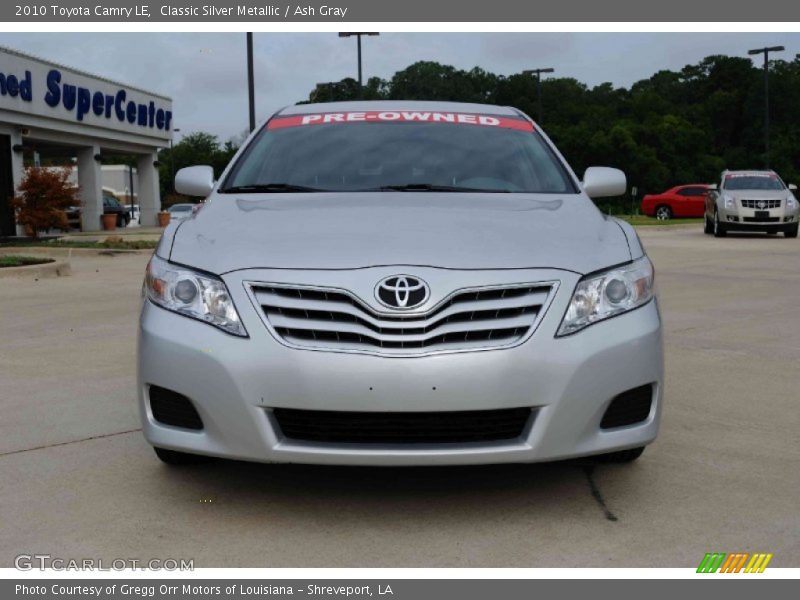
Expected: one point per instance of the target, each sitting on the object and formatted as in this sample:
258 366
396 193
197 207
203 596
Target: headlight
192 294
607 294
730 202
791 202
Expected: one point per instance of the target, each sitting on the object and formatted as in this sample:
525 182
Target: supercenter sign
30 86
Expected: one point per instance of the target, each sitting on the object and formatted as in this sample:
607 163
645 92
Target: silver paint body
351 241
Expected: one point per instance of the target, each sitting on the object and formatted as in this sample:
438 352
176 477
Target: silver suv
752 201
399 283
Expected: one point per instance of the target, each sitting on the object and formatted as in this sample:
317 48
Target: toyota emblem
402 292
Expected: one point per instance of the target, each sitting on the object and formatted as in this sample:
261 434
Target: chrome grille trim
767 204
332 319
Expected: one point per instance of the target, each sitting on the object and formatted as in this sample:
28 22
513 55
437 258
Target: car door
690 202
697 200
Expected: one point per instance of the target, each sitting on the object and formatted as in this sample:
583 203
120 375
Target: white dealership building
64 114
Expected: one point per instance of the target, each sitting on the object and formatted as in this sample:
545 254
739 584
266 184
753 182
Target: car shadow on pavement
557 487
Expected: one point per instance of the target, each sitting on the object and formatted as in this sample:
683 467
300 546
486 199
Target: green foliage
13 260
198 148
673 128
110 243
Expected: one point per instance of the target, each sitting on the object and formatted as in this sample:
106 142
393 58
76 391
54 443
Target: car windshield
402 155
181 208
753 182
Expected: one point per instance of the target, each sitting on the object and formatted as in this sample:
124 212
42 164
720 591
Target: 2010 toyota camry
399 283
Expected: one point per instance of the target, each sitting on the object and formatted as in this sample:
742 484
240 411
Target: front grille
761 204
761 219
172 408
402 427
333 319
628 408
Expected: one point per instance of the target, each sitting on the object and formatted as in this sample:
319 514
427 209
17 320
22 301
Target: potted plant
109 221
163 218
44 194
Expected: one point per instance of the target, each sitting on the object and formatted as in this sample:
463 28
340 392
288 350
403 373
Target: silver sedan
399 283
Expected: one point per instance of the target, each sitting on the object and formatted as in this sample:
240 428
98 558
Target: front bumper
234 383
744 219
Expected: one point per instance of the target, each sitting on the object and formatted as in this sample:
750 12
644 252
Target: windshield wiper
269 188
431 187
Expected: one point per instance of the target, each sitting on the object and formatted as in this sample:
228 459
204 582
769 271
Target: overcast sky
205 74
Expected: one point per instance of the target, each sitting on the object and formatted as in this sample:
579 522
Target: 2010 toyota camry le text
399 283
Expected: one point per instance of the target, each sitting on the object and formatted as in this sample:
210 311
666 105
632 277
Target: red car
680 201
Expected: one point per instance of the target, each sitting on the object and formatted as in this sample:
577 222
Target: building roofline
45 61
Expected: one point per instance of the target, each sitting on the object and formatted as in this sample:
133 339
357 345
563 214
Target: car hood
758 194
447 230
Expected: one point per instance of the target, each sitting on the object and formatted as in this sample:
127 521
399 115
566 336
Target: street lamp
358 34
172 159
765 52
251 90
538 73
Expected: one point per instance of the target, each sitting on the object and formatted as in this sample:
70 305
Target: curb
59 268
38 250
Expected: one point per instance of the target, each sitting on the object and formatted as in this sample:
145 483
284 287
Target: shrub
43 196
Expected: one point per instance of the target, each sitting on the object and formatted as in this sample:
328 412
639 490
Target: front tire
719 228
175 458
792 233
622 456
663 213
708 225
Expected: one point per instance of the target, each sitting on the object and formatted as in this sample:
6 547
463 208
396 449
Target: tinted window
753 182
692 191
370 156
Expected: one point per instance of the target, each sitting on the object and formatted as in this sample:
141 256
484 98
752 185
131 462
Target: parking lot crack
596 494
55 445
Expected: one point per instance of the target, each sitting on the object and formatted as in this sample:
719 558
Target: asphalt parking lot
78 480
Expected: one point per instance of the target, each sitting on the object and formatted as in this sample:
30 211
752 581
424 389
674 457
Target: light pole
765 52
251 90
358 34
538 73
172 159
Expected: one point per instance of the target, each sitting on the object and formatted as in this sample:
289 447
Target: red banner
400 116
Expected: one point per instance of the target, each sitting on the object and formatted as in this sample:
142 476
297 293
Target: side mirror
792 187
601 182
195 181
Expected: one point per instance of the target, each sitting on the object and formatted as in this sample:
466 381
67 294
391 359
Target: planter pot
109 222
163 219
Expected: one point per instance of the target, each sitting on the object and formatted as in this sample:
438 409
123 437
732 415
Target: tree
198 148
43 195
674 127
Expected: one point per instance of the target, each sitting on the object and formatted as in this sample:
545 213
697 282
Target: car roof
393 105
